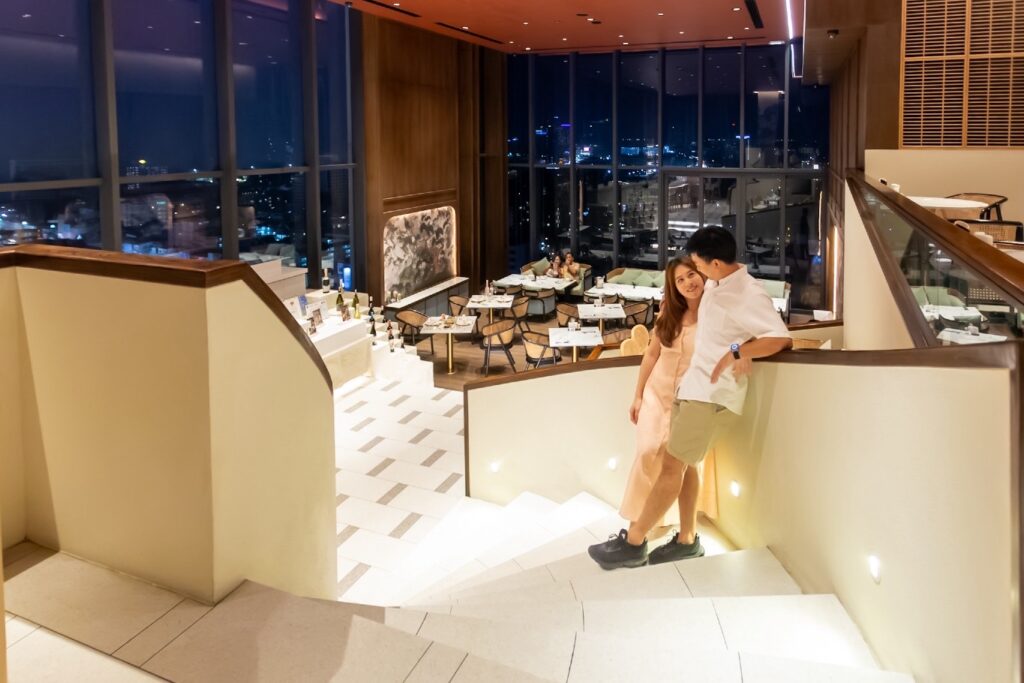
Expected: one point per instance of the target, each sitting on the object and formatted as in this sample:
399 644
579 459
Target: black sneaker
617 552
674 551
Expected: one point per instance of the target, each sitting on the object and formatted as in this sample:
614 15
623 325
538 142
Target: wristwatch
735 348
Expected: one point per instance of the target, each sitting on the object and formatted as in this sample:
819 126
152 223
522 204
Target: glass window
722 107
46 80
166 86
805 243
272 218
680 107
336 226
179 218
683 210
764 102
332 82
763 208
519 251
518 109
65 217
639 76
268 83
808 125
638 218
594 109
721 197
554 212
596 190
551 110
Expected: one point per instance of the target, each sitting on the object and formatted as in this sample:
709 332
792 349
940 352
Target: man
736 323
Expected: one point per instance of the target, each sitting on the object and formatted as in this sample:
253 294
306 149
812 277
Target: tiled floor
400 458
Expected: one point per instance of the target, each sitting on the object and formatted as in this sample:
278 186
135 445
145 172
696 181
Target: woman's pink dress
652 430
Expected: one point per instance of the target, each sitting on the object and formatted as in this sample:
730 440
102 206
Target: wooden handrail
170 271
1000 271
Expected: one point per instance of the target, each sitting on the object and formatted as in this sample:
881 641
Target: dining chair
566 313
542 302
412 322
499 333
538 350
637 314
518 313
994 204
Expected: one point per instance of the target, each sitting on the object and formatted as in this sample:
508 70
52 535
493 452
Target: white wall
553 436
912 465
871 319
176 434
942 172
272 440
12 498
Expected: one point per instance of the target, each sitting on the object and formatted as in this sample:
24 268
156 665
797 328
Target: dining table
946 203
451 326
536 283
585 337
490 303
630 292
600 313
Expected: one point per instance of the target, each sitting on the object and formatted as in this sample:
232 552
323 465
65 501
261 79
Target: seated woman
666 359
571 269
555 269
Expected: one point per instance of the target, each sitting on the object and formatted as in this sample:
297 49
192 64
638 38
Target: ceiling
595 25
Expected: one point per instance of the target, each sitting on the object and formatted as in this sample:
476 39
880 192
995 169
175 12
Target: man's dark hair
713 243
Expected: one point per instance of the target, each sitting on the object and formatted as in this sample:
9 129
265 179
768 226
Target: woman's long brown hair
673 305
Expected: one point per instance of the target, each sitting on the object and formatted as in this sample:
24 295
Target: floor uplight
875 568
734 489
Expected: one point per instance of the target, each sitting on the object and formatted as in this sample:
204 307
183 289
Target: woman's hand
634 410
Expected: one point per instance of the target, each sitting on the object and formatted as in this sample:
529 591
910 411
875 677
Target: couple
737 323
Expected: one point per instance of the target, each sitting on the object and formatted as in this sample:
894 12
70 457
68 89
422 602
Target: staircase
489 593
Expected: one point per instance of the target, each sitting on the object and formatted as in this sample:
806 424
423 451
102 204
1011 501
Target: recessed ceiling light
735 9
590 19
465 28
396 4
777 42
729 37
511 42
564 39
682 32
661 14
621 36
625 43
526 23
528 49
26 16
150 28
746 28
197 22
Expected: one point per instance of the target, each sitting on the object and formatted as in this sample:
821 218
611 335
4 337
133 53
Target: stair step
740 573
801 627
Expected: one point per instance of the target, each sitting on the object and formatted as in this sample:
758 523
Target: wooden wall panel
423 109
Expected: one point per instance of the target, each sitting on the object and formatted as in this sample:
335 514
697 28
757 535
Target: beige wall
871 319
12 501
942 172
173 433
272 436
117 446
912 465
572 425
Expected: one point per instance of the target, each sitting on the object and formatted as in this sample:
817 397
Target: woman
555 269
665 360
571 269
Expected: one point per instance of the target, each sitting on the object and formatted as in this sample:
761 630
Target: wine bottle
391 337
356 313
325 282
373 327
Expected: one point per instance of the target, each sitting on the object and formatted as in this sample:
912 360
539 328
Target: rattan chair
617 337
412 321
518 313
542 302
512 290
1000 231
538 350
566 313
638 313
993 210
501 333
457 305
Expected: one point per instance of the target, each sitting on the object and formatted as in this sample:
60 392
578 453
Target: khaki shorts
695 427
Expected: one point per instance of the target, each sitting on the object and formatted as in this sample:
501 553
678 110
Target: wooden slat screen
963 73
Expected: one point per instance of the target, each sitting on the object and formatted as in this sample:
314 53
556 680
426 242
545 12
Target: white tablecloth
947 203
627 292
605 312
464 324
541 282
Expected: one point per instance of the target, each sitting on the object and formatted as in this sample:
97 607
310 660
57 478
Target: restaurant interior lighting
613 463
734 489
875 568
495 466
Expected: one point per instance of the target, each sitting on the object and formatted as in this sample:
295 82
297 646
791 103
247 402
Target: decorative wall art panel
419 250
